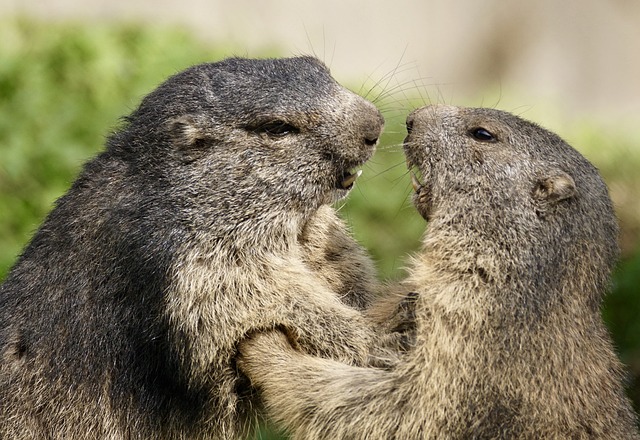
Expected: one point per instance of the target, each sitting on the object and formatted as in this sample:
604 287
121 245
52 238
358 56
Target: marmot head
508 199
249 140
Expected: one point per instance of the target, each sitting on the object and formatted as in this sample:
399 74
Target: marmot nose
372 126
410 120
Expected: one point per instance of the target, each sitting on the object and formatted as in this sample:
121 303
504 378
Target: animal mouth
345 180
416 183
347 172
422 193
414 169
348 179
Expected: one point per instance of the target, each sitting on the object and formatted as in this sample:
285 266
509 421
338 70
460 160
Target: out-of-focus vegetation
64 87
62 90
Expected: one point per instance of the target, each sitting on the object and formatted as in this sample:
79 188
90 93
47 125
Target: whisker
387 77
386 170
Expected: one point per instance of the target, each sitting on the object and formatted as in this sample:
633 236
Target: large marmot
520 243
199 224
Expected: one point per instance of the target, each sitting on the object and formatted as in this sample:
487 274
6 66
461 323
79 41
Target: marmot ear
554 187
186 132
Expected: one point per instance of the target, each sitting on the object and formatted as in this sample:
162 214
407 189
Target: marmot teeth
415 182
349 179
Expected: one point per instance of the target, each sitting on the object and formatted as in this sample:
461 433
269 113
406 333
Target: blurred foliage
63 88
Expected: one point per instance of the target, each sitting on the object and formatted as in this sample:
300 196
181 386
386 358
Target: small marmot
199 223
510 344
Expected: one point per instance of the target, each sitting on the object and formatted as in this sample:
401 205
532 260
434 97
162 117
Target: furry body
197 225
509 344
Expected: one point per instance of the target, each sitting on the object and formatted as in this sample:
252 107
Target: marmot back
520 243
121 318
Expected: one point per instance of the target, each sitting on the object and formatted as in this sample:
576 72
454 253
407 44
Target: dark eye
276 128
482 134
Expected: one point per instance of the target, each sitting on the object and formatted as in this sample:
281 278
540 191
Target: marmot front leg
325 399
393 315
336 257
339 261
329 329
323 326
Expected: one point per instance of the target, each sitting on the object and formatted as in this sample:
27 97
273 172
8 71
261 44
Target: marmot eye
482 135
276 128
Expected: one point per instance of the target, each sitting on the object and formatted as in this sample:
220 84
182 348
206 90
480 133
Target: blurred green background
63 87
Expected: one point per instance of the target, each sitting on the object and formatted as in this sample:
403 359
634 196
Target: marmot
510 344
199 223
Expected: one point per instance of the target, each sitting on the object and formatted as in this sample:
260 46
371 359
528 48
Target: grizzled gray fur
516 258
194 227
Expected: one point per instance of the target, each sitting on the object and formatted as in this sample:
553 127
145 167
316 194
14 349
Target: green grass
64 87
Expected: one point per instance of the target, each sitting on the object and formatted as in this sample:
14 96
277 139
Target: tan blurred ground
582 56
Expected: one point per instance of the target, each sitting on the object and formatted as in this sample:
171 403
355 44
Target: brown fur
331 252
204 219
509 340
